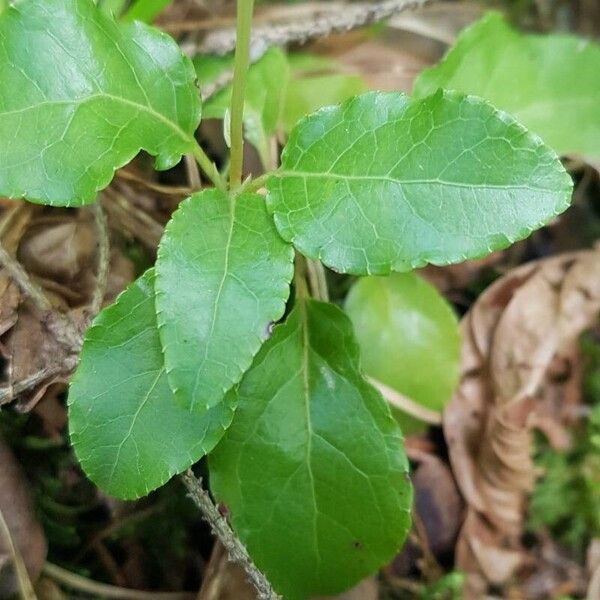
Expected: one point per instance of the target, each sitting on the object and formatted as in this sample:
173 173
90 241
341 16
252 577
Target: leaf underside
385 183
222 279
549 82
80 95
312 469
128 433
408 338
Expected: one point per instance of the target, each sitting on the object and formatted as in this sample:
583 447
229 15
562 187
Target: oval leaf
222 278
384 183
549 82
312 470
128 432
80 95
408 337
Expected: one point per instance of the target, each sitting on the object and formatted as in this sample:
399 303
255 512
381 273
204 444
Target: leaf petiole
208 167
253 185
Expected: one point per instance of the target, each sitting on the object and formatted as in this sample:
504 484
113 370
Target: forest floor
529 325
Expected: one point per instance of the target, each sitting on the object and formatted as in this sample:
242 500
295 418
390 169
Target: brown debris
16 507
514 338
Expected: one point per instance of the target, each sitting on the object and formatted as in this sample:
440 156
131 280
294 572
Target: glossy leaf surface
550 82
312 470
80 95
385 183
222 278
127 430
408 337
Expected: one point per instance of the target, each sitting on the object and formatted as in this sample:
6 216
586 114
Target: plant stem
300 285
221 529
208 167
240 71
103 259
317 279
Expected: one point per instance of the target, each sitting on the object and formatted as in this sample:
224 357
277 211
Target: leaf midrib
325 175
231 213
79 102
310 432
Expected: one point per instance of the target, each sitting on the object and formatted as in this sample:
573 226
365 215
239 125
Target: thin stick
26 591
22 279
170 190
240 71
221 529
341 20
103 259
9 393
103 590
406 404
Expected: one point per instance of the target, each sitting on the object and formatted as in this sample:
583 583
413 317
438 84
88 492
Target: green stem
300 285
240 70
317 279
208 167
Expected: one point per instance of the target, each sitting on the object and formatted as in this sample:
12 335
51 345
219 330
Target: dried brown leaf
517 338
26 534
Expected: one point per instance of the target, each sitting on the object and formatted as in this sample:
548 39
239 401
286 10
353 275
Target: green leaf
312 470
307 92
127 431
146 10
222 279
265 90
385 183
80 95
550 83
408 337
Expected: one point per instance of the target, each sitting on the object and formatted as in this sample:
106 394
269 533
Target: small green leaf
146 10
222 279
384 183
307 93
550 82
312 470
80 95
265 90
127 431
408 337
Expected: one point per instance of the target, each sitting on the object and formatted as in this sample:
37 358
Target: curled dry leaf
26 533
593 565
13 223
437 514
513 337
